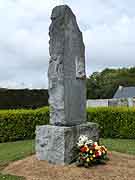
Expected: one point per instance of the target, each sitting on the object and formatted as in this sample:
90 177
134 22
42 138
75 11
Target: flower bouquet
90 152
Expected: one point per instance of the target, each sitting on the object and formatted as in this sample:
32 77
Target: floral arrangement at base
90 153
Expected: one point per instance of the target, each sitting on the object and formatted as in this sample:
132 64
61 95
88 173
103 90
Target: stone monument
67 91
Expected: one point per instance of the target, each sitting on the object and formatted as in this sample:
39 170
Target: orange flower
84 149
103 148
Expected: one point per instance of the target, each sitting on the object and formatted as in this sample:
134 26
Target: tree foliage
102 85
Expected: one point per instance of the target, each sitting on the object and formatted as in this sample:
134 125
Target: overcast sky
108 28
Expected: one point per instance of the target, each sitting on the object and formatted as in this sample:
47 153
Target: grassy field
17 150
120 145
14 151
9 177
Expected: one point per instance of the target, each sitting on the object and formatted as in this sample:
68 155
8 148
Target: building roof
125 92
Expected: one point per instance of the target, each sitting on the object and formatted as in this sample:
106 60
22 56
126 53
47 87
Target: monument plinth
67 91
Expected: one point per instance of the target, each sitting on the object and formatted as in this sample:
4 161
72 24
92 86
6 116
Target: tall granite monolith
66 74
67 91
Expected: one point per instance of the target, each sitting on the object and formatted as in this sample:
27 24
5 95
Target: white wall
128 102
97 102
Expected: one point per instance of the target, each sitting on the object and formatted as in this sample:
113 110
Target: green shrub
21 124
114 122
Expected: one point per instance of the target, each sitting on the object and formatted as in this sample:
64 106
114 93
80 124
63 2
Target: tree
102 85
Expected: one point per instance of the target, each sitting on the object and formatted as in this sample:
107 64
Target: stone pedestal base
56 144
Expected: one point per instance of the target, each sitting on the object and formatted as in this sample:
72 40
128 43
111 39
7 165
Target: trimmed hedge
114 122
20 124
23 98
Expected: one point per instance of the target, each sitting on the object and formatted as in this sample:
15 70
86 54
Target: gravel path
120 167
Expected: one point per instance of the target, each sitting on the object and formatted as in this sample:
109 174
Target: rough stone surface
67 91
57 144
66 73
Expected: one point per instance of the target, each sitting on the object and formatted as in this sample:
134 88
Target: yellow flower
87 149
88 160
105 149
91 158
97 147
91 151
94 155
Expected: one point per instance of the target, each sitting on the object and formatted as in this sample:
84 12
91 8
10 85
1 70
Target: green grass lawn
9 177
120 145
17 150
13 151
